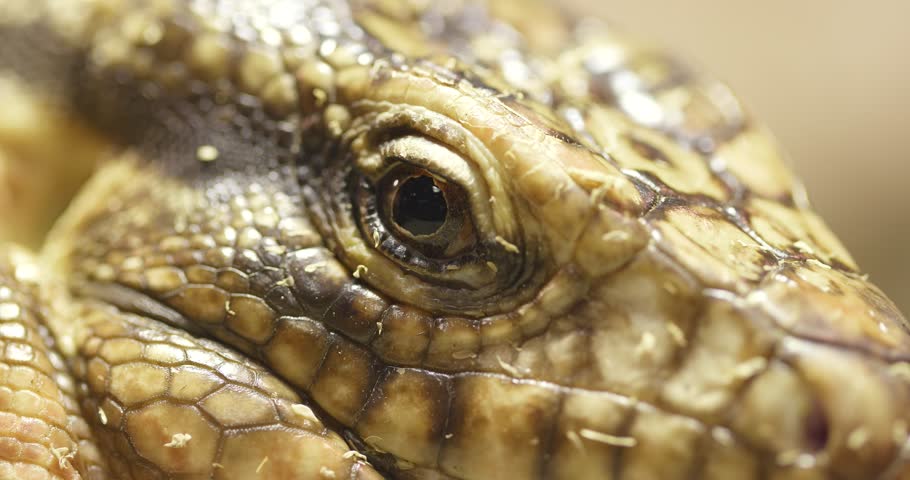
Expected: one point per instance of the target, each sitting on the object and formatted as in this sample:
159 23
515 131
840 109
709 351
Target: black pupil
420 206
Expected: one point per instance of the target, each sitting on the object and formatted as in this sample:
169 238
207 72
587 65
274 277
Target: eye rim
467 267
449 161
457 233
454 270
401 189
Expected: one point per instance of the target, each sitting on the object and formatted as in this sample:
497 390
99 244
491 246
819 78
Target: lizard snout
858 421
844 382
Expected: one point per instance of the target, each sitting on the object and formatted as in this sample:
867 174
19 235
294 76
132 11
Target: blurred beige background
832 80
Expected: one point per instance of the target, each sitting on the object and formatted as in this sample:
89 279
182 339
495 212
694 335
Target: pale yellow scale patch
164 354
609 241
681 169
496 412
236 406
133 383
799 230
629 343
250 317
192 439
165 278
755 160
815 300
589 434
189 382
670 438
715 250
726 351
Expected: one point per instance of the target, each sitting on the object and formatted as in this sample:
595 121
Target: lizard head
612 256
557 263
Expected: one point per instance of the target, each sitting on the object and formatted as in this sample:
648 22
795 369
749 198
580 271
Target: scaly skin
644 292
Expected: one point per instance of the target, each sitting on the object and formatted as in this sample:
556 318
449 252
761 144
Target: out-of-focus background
832 80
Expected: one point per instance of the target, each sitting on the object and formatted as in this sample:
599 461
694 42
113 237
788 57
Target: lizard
421 240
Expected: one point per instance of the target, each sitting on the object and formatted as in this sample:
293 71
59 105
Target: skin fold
627 282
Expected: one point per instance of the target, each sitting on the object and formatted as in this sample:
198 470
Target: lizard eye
411 202
426 211
419 205
413 207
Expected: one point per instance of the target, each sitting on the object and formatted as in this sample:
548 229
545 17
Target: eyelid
432 156
450 236
469 273
448 165
485 181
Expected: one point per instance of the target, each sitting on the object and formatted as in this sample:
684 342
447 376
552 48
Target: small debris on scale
305 412
313 267
510 369
354 454
510 247
63 455
613 440
749 368
677 334
573 437
179 440
207 153
857 439
646 345
360 271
